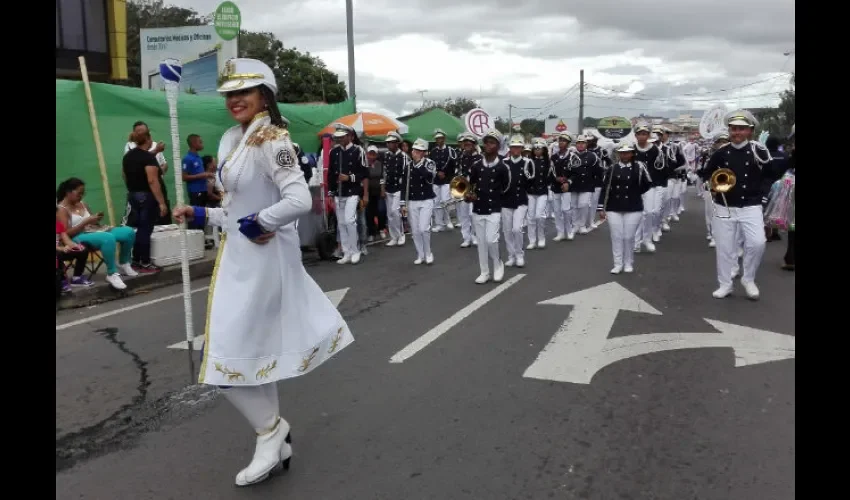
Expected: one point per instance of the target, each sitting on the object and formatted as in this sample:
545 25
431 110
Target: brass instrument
459 187
722 181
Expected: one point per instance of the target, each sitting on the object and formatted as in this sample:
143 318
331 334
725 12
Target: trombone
722 181
459 187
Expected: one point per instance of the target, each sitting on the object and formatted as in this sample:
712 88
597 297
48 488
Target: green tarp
119 107
423 126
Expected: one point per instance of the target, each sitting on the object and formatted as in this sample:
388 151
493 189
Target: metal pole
581 102
349 21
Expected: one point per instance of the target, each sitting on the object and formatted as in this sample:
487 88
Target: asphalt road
457 419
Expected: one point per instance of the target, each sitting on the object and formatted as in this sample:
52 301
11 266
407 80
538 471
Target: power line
659 99
687 94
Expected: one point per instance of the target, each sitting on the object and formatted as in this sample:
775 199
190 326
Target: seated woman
68 251
85 228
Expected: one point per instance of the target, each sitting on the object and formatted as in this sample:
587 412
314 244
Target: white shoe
541 243
474 242
429 259
273 452
740 253
391 243
401 240
722 292
571 236
482 278
531 246
355 258
450 226
558 237
650 246
115 281
675 218
665 226
656 238
498 272
711 243
465 244
628 269
520 262
344 260
751 289
436 229
418 261
510 262
127 270
658 234
583 230
596 224
708 237
616 269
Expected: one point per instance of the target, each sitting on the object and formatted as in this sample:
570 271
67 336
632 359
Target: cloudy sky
663 57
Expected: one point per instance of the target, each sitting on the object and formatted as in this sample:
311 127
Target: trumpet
459 187
722 181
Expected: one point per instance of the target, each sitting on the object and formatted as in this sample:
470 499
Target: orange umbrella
370 124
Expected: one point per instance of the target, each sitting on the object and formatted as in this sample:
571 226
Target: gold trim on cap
243 76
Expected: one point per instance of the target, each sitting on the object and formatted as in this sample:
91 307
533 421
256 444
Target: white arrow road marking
435 333
572 354
336 297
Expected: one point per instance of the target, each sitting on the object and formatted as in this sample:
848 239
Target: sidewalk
170 275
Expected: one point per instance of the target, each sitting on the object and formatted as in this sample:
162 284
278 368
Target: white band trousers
623 227
419 212
537 208
441 215
393 201
346 222
512 222
487 232
745 223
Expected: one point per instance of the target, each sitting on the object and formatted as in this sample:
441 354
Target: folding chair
94 262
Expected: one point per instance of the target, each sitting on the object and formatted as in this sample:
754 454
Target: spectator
405 146
375 222
214 195
304 162
68 251
83 227
157 149
195 175
771 173
141 175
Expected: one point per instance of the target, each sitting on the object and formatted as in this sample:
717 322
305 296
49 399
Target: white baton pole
170 71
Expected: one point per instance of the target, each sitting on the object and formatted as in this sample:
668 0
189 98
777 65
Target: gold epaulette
266 133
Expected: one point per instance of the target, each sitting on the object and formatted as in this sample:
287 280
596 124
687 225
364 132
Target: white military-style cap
565 137
439 133
722 136
654 137
642 127
667 130
492 134
624 147
341 130
420 144
526 147
581 138
393 137
242 73
372 149
467 137
741 117
516 140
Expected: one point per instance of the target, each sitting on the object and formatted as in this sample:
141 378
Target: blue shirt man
195 175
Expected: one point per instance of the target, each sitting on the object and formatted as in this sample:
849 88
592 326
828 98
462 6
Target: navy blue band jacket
421 181
351 161
394 170
746 161
444 158
624 185
539 184
653 158
490 182
522 171
559 171
583 172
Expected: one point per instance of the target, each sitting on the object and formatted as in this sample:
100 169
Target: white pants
746 223
550 204
594 202
441 215
623 227
580 203
346 223
464 218
709 210
393 201
563 217
487 232
419 212
661 204
512 222
537 217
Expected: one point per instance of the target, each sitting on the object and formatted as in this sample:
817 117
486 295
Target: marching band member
419 199
582 176
515 201
526 151
739 211
470 156
267 319
625 183
444 158
560 186
346 172
719 141
661 178
395 165
676 166
489 179
538 196
648 153
604 161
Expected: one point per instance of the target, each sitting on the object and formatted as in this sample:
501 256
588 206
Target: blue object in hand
250 227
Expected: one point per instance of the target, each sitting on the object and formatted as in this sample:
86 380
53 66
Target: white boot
272 453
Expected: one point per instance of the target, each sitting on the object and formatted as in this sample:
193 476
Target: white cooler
165 245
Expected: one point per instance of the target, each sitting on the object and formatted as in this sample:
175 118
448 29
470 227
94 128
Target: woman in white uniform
267 320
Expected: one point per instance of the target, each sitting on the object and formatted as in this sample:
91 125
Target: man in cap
444 157
676 166
650 155
515 200
560 185
739 210
395 163
604 162
346 173
419 199
490 178
469 157
583 175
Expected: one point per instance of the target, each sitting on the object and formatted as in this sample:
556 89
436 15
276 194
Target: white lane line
124 309
335 296
435 333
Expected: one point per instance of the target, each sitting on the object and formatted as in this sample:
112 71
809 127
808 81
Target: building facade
96 30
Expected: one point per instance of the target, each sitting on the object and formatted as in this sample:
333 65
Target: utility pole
581 102
510 119
422 94
349 21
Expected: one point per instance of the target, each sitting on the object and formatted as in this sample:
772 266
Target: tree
590 122
300 77
457 106
778 121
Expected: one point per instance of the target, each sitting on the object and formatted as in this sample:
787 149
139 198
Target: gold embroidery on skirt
232 376
264 372
305 363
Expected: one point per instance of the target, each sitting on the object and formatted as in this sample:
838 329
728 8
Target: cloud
666 57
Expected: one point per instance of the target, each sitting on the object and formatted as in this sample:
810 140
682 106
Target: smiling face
243 105
739 133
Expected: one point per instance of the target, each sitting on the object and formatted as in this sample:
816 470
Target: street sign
336 297
581 347
614 127
478 122
227 20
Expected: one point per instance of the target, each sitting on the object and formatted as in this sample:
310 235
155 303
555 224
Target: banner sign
614 127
